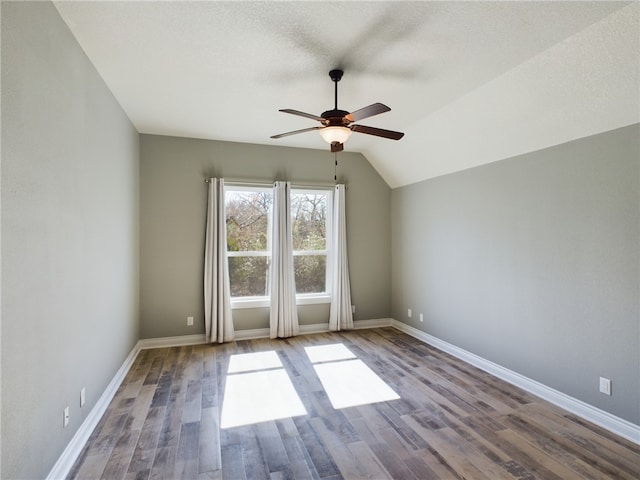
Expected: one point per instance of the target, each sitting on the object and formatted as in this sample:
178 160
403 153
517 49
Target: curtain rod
269 184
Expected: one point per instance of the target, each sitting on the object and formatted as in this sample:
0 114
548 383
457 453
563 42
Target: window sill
259 302
264 302
313 299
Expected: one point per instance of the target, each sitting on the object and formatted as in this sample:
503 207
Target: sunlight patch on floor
328 353
245 362
263 393
347 381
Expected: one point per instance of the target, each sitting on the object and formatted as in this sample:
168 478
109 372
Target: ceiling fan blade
366 112
302 114
295 132
337 147
378 132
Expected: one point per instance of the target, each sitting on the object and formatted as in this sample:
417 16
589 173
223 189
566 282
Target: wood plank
348 466
271 446
170 432
145 448
141 406
91 466
369 463
193 401
299 460
163 462
233 463
322 461
255 466
209 442
118 463
187 463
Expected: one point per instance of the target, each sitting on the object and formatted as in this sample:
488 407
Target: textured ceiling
469 82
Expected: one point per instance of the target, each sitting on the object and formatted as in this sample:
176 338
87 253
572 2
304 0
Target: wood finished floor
452 421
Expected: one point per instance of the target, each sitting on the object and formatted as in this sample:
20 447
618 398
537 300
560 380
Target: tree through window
309 220
248 214
248 218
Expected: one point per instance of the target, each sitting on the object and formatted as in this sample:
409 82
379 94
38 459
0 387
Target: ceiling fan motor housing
335 118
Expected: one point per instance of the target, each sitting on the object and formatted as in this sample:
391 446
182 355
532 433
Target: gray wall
533 263
173 212
69 237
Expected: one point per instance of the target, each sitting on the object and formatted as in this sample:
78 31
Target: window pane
248 276
310 273
247 215
309 217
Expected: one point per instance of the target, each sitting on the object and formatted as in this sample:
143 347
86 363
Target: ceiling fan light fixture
335 134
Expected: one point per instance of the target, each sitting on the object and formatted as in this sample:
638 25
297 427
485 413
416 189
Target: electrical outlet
83 396
409 313
65 417
605 386
353 309
421 318
189 321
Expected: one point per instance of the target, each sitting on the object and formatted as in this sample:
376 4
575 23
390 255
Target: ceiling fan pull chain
335 168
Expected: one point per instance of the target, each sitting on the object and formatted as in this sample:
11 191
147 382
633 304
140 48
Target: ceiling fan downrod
336 76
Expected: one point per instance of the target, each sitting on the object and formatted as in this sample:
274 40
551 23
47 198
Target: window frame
261 300
320 297
301 298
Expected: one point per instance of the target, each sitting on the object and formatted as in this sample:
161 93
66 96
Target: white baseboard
257 333
179 341
313 328
251 334
614 424
64 464
374 323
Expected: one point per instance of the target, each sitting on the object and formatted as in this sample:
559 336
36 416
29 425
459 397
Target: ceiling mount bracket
336 75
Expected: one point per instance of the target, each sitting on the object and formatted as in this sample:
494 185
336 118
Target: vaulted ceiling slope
469 82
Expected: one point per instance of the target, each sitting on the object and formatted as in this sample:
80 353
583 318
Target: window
309 211
248 218
248 214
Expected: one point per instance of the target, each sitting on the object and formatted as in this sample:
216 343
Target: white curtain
284 313
217 292
340 315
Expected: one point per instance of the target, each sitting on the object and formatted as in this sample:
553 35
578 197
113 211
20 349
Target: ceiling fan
337 125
